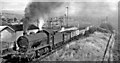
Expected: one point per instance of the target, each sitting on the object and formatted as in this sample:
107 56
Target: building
6 33
10 33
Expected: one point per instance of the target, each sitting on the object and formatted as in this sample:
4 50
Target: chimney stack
25 25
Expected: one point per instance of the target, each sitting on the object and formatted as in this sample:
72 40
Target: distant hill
12 14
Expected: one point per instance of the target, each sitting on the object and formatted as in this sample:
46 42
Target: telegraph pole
0 32
0 44
106 20
1 17
67 14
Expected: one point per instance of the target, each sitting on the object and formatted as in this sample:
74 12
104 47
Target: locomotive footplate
19 58
16 58
58 45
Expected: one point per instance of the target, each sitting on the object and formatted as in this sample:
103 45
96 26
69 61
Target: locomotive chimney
25 25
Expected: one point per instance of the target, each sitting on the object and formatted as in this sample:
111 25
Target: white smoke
41 23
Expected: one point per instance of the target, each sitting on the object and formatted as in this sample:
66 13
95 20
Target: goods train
44 38
50 38
35 45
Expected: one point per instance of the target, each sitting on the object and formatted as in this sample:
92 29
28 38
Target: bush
107 26
102 30
90 31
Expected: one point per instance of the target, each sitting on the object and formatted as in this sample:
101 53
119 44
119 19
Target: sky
14 5
20 5
99 8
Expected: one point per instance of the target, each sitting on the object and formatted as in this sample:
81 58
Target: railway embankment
95 47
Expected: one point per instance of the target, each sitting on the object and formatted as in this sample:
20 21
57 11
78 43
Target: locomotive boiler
32 40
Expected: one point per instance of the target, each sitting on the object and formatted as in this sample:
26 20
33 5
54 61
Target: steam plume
41 23
35 10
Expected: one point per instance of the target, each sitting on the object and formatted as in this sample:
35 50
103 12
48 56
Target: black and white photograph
36 31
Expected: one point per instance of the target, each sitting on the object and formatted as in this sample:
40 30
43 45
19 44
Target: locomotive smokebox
32 41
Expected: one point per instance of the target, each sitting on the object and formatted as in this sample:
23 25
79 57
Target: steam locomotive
38 44
43 41
35 45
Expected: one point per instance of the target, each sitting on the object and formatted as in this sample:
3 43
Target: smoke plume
36 10
89 10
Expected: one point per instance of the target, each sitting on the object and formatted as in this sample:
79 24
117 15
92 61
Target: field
116 51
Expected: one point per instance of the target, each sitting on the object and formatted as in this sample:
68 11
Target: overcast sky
19 5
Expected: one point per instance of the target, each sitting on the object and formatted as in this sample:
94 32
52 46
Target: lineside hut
5 39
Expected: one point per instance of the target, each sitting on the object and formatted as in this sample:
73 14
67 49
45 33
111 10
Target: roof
68 26
5 27
68 29
19 27
38 36
51 30
2 27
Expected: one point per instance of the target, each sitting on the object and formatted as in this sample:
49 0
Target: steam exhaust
41 23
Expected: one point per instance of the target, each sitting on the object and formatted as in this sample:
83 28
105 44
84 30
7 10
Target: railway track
108 48
59 46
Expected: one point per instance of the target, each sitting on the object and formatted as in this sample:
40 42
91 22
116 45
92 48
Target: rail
108 49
